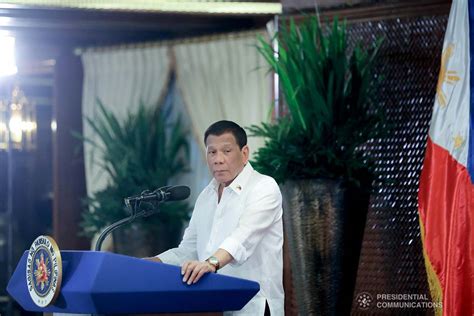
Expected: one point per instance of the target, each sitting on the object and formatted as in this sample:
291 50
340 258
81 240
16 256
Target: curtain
218 77
224 78
198 177
120 78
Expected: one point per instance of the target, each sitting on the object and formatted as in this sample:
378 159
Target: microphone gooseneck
163 194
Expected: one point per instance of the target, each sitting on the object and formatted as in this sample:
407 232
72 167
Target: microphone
179 192
168 193
163 194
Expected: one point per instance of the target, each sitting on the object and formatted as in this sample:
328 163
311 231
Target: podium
106 283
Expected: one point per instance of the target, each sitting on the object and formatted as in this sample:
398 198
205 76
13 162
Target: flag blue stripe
470 153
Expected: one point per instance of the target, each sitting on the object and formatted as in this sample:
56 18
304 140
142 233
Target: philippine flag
446 205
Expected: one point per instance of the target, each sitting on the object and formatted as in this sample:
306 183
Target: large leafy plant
328 92
142 152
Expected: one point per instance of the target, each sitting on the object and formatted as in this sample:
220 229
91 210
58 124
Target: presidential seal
44 271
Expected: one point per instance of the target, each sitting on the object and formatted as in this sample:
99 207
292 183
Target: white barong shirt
247 223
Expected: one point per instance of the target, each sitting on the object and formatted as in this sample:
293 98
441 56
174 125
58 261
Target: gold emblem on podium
44 271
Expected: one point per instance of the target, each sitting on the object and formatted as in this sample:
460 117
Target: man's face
224 157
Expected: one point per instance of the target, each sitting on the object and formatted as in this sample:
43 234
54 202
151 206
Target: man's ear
245 153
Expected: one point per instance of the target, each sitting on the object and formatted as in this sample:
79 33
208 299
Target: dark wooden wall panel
68 167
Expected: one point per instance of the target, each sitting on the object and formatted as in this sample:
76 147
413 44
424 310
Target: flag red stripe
446 208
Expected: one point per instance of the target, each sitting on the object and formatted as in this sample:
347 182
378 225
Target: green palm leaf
328 91
141 152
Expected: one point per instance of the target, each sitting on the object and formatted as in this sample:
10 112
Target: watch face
214 262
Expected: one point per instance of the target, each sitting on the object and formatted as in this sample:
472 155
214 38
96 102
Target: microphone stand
123 221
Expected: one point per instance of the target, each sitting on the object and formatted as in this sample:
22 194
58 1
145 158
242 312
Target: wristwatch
213 261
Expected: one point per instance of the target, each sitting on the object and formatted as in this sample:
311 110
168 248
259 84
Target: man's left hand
194 270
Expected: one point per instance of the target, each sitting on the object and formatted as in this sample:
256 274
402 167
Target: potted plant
315 153
143 152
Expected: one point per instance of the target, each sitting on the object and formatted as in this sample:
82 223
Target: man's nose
219 158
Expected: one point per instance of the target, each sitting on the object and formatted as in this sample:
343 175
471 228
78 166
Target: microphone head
178 193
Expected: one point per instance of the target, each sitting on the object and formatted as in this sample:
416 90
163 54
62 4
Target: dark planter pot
137 242
324 223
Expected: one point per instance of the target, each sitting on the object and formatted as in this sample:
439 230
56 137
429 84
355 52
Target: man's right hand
194 270
154 259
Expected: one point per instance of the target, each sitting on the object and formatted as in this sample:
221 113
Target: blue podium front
106 283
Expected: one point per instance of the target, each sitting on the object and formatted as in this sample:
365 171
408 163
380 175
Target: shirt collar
239 182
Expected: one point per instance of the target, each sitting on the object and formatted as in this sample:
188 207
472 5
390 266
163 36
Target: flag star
458 141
